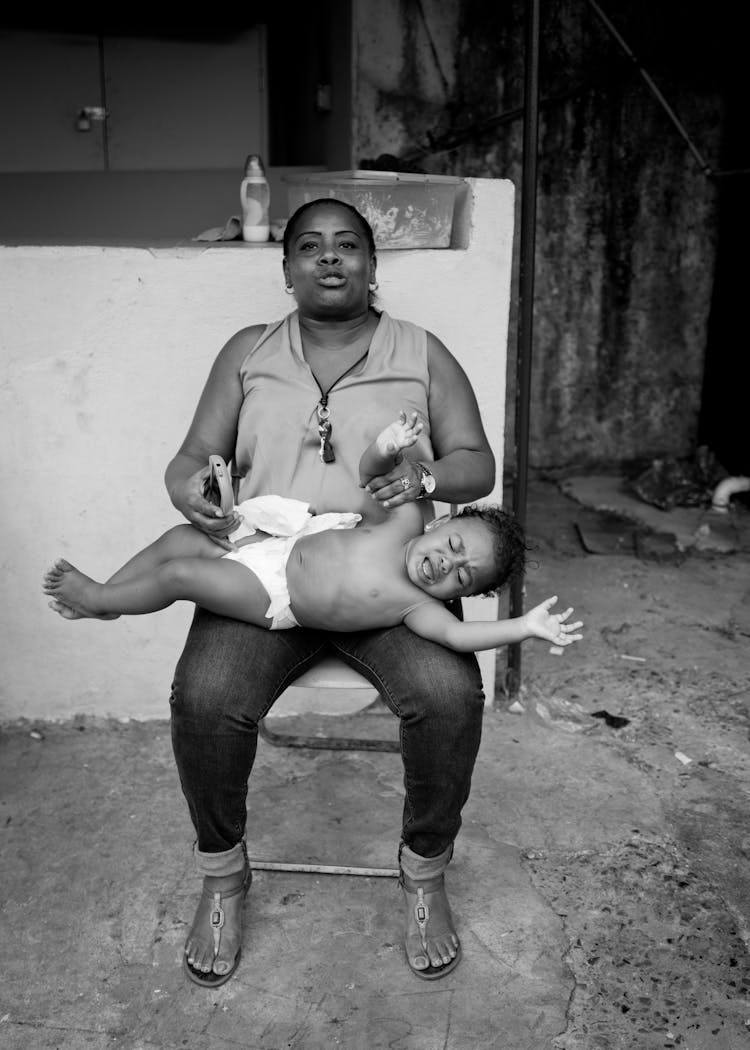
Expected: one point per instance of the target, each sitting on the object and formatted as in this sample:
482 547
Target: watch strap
424 472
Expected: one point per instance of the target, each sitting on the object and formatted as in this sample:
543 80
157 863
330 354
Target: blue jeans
230 673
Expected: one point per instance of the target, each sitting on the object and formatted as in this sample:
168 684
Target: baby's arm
385 451
433 621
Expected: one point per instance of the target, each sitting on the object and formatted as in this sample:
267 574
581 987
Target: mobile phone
218 488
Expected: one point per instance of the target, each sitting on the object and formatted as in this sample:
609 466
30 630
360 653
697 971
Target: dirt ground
600 881
657 922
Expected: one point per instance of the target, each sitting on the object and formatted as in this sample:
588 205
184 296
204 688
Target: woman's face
329 263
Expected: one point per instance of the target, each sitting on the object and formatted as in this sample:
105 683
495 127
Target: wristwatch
426 481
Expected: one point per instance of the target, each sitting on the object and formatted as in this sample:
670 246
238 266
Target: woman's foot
75 596
432 946
214 944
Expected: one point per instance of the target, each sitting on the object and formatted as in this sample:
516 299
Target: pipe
525 312
706 168
725 490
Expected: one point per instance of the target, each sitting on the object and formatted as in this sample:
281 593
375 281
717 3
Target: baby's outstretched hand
399 435
541 623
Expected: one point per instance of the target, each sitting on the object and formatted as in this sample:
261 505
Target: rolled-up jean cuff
227 863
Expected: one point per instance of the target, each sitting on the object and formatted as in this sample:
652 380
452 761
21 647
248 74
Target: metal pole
655 90
525 310
103 100
324 869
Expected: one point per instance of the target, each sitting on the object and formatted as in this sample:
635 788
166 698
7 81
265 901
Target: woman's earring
289 289
373 286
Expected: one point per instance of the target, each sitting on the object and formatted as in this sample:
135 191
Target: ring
405 483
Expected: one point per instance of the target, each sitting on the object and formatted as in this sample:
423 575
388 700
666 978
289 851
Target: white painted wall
103 353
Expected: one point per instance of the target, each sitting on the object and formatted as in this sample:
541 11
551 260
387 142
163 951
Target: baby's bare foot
75 596
65 611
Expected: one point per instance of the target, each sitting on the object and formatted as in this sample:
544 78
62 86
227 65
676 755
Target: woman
293 404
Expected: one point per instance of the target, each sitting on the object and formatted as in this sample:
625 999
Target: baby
290 568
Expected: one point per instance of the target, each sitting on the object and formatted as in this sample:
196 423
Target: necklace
325 426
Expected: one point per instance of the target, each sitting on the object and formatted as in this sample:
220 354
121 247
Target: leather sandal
420 878
217 919
415 891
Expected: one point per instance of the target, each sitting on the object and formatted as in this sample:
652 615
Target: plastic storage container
404 210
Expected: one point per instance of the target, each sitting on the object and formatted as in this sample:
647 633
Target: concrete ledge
693 528
103 355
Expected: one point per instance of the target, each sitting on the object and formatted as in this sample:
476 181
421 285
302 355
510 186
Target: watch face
428 481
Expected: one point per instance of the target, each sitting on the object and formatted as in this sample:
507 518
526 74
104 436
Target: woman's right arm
213 431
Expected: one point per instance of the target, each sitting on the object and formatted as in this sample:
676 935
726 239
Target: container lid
254 165
374 178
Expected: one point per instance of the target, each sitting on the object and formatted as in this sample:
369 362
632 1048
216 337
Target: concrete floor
600 883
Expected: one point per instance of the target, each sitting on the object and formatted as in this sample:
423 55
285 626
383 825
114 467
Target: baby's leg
182 541
399 435
223 587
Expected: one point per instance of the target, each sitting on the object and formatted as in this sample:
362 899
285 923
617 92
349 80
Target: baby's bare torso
350 579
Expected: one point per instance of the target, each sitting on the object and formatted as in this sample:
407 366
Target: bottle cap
254 165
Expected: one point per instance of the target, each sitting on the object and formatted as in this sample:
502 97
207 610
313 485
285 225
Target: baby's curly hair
508 541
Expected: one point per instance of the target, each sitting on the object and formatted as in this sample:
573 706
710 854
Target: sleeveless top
277 433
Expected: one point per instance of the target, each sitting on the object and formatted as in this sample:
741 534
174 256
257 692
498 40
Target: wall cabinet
172 104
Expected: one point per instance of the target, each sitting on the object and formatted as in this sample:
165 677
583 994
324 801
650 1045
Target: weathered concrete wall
103 354
626 219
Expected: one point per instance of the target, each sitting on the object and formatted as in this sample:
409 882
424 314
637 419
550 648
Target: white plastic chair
332 673
328 673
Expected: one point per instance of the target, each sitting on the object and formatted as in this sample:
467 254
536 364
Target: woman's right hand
190 500
213 431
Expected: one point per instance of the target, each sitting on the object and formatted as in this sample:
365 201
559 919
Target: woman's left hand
400 485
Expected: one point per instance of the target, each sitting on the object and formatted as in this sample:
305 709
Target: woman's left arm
464 466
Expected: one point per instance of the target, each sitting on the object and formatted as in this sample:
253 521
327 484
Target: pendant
326 449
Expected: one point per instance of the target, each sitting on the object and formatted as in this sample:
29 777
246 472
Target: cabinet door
185 104
45 79
173 104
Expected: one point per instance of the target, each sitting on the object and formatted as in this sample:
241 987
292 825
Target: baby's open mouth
427 570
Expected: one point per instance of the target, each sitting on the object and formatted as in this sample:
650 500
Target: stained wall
626 217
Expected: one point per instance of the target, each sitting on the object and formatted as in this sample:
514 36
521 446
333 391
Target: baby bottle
254 197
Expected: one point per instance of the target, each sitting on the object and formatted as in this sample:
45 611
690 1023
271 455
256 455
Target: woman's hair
293 221
508 545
